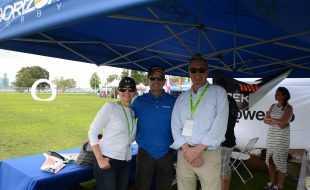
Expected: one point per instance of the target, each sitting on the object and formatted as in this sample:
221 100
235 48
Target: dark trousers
147 166
115 178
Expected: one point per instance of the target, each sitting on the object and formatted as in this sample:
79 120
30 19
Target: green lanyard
128 126
194 107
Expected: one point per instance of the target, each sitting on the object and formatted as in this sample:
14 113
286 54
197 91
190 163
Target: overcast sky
12 62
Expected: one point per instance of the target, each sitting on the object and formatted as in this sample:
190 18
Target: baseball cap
156 69
127 81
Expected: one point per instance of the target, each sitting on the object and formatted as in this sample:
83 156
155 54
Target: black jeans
147 166
114 178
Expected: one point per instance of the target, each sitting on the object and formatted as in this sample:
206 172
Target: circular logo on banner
34 87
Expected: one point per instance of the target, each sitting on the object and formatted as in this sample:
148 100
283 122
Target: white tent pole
149 45
208 40
171 65
208 28
151 50
278 61
107 46
171 31
242 61
132 62
235 31
282 68
259 43
99 42
70 49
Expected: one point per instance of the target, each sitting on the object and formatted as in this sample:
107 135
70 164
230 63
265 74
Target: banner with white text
250 122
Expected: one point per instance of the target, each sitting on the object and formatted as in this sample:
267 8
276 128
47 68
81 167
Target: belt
195 146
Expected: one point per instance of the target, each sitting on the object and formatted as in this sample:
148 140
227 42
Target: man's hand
197 162
191 153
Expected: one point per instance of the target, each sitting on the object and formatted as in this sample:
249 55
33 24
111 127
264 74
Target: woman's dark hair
286 94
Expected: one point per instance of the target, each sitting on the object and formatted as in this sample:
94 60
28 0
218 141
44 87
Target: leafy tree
70 83
176 78
64 84
112 77
26 76
59 82
138 76
94 81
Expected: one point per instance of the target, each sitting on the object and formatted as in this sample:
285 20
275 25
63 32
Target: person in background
199 122
153 111
278 138
230 139
116 122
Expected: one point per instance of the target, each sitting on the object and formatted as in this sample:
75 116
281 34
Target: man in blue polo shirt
153 111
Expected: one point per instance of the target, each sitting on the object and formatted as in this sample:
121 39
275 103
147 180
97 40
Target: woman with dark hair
116 122
278 138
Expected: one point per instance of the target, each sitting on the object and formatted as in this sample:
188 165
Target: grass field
32 127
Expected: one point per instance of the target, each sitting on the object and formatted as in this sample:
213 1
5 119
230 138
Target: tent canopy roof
240 38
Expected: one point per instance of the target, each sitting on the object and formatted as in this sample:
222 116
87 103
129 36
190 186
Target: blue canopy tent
240 38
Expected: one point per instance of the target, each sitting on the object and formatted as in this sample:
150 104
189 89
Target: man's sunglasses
124 89
156 78
199 70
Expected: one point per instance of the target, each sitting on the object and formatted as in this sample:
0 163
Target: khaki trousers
208 174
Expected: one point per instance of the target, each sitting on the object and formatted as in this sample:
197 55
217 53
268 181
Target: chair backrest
250 146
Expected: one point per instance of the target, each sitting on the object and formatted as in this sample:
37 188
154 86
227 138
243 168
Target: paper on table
52 164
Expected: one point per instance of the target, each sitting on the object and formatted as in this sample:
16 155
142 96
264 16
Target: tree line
26 76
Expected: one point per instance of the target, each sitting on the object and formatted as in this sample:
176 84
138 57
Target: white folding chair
174 178
237 164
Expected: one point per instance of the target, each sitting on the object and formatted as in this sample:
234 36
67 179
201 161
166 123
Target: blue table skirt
24 173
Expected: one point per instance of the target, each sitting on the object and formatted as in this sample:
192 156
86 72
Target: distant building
4 82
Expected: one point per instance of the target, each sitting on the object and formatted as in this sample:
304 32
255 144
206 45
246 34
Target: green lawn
32 127
258 182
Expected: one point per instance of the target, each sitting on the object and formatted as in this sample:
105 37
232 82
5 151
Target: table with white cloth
24 173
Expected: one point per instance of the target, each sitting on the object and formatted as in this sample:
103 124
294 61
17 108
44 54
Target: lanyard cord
194 107
128 126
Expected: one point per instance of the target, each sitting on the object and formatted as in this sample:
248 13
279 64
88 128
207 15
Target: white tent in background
114 83
141 87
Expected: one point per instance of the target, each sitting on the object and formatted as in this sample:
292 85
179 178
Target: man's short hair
156 69
198 56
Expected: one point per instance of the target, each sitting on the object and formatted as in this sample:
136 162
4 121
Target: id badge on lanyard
188 128
189 123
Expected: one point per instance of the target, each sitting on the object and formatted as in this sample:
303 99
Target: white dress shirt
111 122
210 118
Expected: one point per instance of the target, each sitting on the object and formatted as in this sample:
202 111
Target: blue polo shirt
154 123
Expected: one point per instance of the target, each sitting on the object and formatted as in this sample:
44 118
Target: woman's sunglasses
156 78
124 89
199 70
